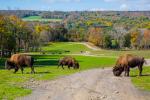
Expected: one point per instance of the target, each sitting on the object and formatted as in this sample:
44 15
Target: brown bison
68 61
127 61
19 61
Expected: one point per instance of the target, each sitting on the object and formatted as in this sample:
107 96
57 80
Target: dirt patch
96 84
90 46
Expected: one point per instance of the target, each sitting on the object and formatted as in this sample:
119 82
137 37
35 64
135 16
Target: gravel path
96 84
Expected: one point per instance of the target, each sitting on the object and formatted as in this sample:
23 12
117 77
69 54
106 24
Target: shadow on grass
46 63
46 72
2 63
60 51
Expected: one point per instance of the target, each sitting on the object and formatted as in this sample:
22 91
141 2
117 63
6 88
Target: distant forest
106 29
62 14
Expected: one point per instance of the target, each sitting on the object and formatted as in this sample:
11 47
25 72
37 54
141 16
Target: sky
76 5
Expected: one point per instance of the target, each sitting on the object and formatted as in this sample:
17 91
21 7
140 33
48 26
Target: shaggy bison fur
127 61
68 61
17 61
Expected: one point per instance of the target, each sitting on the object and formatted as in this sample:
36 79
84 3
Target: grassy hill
38 18
64 48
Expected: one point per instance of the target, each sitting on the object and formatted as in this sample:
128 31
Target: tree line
120 38
17 35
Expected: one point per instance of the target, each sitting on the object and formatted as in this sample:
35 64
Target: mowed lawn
116 53
11 85
38 18
65 48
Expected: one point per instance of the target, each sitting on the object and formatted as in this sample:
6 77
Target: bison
68 61
127 61
19 61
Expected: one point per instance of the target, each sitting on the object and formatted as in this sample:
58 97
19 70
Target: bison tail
117 71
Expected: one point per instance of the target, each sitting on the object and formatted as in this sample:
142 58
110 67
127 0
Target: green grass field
38 18
116 53
141 82
64 48
11 85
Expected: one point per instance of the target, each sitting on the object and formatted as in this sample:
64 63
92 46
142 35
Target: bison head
9 65
117 70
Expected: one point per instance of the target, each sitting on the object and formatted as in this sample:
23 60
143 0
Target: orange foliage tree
135 38
95 36
146 38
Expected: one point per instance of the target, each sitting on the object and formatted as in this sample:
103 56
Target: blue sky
75 5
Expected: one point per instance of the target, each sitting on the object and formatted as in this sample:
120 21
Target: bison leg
128 70
125 71
68 67
21 69
16 69
140 70
59 64
32 70
75 67
62 66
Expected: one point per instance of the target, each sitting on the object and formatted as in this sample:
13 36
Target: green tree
127 42
107 41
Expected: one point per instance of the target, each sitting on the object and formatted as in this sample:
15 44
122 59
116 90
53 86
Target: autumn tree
107 41
95 36
146 38
118 34
135 40
127 42
7 39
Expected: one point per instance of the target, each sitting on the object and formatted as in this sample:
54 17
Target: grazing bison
19 61
127 61
68 61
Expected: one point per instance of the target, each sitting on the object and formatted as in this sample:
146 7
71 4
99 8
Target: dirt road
90 46
96 84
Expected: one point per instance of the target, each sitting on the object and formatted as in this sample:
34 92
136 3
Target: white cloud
124 7
112 0
52 1
129 1
131 4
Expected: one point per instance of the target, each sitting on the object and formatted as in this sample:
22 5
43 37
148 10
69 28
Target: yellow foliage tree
95 36
134 38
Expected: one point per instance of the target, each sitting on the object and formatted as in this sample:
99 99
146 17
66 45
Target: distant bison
19 61
127 61
68 61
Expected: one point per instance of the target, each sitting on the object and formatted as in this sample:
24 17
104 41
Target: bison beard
117 71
